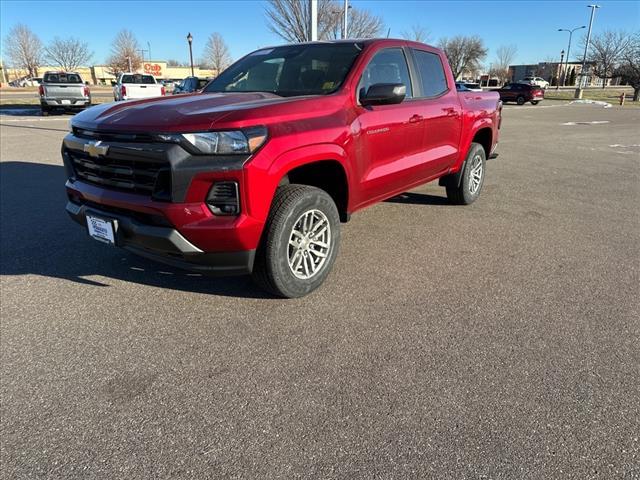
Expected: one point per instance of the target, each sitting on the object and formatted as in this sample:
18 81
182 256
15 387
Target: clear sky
531 26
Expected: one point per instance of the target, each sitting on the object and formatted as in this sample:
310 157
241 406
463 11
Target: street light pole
190 40
560 73
313 17
564 83
586 49
346 15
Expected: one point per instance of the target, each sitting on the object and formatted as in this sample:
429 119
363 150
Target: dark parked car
521 93
190 85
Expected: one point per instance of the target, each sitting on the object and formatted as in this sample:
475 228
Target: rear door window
432 78
386 66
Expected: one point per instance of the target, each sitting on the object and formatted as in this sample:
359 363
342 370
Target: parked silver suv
64 90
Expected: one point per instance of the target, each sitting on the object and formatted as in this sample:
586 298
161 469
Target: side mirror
86 83
113 83
384 94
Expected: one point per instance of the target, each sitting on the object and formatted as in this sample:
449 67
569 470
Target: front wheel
300 242
472 178
520 100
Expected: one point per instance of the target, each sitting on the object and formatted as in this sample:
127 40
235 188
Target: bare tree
125 53
606 50
24 49
216 53
68 53
504 57
361 23
629 70
290 20
464 53
418 34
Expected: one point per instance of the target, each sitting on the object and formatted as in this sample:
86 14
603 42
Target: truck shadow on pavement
414 198
37 237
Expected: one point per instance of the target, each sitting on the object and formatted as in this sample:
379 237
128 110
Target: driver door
390 136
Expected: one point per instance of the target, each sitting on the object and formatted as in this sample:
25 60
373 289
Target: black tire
271 270
520 100
463 194
535 102
44 111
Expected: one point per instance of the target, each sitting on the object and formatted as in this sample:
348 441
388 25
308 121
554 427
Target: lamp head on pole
189 38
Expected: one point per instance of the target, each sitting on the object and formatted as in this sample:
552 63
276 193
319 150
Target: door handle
416 118
450 111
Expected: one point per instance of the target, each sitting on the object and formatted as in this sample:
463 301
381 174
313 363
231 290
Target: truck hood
179 113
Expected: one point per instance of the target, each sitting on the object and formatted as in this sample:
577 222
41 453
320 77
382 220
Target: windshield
315 69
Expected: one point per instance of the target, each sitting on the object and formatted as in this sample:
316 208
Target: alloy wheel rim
309 244
475 175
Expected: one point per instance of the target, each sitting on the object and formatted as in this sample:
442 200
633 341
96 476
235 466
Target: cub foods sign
154 69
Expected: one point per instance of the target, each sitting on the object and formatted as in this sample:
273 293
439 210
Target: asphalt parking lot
495 341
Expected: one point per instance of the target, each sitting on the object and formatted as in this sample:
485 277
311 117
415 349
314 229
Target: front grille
110 136
134 175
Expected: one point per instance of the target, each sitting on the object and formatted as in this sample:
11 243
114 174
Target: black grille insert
124 174
114 137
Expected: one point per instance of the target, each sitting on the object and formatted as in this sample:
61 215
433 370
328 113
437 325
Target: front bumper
166 244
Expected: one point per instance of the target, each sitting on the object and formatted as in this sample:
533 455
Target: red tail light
86 91
123 91
41 90
162 90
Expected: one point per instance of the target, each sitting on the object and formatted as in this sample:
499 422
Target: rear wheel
300 242
472 178
535 102
520 100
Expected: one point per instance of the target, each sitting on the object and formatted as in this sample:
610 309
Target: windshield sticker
261 52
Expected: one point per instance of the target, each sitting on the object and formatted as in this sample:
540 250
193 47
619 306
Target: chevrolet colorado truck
254 174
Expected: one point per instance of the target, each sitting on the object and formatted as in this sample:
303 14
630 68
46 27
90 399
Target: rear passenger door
442 112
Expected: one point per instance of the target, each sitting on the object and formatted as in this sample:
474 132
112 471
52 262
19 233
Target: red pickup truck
255 173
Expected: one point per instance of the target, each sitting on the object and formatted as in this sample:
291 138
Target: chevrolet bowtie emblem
96 148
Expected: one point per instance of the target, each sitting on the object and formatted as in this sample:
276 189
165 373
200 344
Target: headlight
227 142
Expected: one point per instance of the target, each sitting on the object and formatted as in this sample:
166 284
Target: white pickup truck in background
63 90
135 86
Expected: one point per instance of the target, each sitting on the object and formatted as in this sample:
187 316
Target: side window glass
434 81
387 66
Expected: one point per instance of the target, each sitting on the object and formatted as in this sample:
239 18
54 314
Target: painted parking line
8 118
594 122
